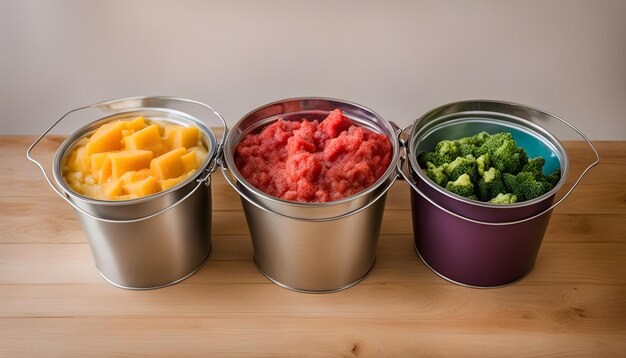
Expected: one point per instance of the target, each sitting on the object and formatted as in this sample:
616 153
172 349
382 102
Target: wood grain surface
53 302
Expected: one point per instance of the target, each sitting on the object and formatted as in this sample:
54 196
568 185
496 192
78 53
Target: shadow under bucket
312 247
474 243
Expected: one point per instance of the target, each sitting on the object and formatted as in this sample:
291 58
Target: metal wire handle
205 179
230 181
414 186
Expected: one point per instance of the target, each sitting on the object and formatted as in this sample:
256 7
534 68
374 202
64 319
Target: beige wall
400 58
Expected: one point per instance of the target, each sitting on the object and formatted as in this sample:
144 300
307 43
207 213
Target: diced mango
189 162
142 174
129 160
168 165
143 139
97 160
106 138
132 159
82 161
201 154
101 166
168 183
159 149
103 173
113 189
178 136
141 188
136 124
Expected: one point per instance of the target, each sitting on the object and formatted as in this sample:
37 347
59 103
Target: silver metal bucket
312 247
474 243
157 240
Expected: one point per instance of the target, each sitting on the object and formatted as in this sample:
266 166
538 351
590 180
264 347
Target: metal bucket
153 241
469 242
312 247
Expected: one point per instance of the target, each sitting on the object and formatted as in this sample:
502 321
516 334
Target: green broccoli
525 186
535 166
462 186
490 185
504 199
488 168
554 177
430 157
504 153
447 150
476 140
460 166
436 174
482 163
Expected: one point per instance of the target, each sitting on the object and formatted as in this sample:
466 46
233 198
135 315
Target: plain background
399 58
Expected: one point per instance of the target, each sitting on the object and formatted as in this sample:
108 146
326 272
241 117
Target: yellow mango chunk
201 154
129 160
103 173
178 136
169 183
106 138
136 124
113 189
142 174
82 161
144 187
168 165
143 139
189 162
125 160
97 160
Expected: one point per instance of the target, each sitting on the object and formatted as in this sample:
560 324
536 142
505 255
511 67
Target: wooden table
53 302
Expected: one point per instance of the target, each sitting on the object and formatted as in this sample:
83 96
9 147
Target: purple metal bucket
468 242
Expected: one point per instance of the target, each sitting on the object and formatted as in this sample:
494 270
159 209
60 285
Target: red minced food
311 161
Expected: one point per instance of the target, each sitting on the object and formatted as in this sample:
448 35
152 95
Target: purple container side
475 254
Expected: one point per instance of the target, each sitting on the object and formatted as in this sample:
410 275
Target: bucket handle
413 185
226 174
206 179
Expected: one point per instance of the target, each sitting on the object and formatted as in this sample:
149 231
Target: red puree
313 162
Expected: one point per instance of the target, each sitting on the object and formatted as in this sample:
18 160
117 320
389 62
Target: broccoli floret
504 199
535 166
430 157
482 163
493 165
447 150
466 149
476 140
525 186
504 153
490 184
462 186
554 177
436 174
460 166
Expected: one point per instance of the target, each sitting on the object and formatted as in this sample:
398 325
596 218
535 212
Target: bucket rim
80 133
439 114
390 172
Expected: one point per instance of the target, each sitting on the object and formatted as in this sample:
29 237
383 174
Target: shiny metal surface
312 247
153 241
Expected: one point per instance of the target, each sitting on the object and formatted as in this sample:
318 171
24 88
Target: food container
312 247
469 242
153 241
